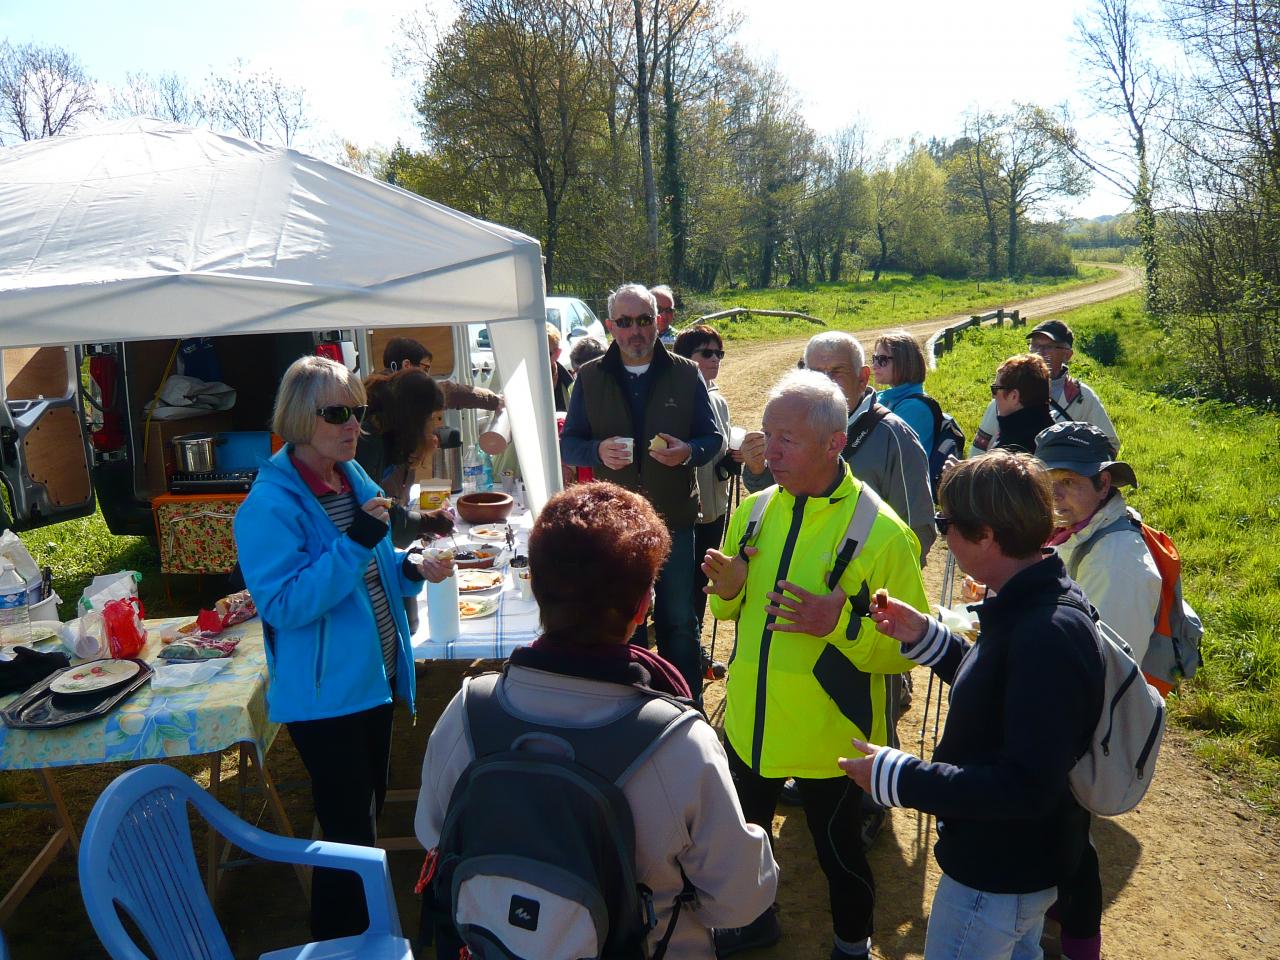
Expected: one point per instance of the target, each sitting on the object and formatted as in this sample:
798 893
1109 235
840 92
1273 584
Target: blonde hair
553 336
308 384
1009 493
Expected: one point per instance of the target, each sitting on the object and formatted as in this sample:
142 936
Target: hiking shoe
838 954
791 793
763 931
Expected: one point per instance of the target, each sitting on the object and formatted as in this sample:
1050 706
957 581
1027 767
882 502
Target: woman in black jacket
1024 701
399 434
1021 394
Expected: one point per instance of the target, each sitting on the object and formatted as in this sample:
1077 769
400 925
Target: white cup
523 583
630 444
736 436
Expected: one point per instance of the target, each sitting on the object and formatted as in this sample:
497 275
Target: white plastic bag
175 676
85 637
15 551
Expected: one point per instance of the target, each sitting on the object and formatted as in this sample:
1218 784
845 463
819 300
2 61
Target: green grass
79 550
896 299
1207 474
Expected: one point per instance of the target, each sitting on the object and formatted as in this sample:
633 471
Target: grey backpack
1113 774
537 853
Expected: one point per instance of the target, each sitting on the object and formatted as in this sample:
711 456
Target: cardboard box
158 462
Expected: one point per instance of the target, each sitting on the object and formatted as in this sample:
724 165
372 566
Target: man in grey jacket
882 451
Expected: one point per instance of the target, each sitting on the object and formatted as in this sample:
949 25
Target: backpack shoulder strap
935 408
1119 523
758 507
856 534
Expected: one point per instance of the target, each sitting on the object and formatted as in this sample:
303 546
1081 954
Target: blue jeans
968 924
674 621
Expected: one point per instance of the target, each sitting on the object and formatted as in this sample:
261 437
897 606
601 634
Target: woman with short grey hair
315 546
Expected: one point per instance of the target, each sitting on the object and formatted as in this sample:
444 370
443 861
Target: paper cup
736 436
630 444
523 583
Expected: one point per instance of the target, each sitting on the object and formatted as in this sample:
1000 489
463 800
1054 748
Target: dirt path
1192 873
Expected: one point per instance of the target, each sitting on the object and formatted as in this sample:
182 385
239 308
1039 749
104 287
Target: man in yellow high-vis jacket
808 669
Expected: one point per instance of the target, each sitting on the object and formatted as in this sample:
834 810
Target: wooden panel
54 451
35 372
439 340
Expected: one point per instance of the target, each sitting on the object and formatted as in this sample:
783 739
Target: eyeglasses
670 310
640 320
880 360
338 414
943 523
997 387
708 352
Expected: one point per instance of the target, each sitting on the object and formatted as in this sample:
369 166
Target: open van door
44 449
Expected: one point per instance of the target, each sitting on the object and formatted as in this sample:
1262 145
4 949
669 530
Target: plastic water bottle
486 467
472 471
15 615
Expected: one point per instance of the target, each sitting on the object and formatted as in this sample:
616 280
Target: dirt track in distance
1192 873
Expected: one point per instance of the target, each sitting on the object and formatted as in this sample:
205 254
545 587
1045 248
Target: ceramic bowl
489 507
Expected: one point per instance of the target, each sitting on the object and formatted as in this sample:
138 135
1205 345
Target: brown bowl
485 507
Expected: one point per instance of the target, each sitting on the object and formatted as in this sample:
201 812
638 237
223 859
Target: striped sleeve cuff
932 647
886 768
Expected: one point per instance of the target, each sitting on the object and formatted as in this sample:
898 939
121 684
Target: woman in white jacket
1099 538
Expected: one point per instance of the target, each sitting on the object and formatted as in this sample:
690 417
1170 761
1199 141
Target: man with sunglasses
665 298
641 417
1069 399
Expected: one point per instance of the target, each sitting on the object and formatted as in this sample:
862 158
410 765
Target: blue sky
904 68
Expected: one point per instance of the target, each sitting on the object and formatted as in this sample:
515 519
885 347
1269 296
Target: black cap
1055 330
1084 449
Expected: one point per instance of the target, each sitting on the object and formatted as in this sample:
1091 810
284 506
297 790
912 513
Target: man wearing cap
1069 399
1100 543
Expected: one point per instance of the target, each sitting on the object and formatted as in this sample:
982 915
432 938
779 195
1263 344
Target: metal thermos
447 464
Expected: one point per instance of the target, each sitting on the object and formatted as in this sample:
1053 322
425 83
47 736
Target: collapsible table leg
63 835
211 869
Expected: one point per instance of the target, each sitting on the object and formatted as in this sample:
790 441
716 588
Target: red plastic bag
125 633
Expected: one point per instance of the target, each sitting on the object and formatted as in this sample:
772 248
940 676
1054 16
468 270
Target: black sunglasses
997 387
943 523
338 414
709 352
641 320
880 360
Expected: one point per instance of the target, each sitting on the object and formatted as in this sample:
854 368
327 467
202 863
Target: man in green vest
641 417
808 669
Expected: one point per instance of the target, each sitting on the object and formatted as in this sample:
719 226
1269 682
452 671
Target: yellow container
433 494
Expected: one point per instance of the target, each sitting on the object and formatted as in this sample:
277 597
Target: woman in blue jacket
315 546
897 362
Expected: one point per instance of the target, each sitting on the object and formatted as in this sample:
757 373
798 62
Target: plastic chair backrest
137 856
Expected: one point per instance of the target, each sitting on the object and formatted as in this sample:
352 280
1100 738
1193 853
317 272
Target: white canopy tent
142 229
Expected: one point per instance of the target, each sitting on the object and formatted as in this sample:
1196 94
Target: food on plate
495 532
94 675
470 556
472 609
471 581
658 443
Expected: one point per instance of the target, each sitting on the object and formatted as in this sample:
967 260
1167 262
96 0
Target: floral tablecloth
231 708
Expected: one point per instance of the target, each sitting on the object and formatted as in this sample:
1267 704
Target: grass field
896 299
1207 475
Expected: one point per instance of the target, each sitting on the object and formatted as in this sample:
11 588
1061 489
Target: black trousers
831 810
347 758
1080 897
706 536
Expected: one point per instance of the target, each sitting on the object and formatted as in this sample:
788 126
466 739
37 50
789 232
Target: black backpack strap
612 750
861 428
687 895
856 534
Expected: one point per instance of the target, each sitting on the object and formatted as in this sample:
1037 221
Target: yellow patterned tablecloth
229 709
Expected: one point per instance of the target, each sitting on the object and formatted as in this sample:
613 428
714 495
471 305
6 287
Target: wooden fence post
1017 319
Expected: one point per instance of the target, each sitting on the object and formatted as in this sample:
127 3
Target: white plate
94 675
479 607
492 532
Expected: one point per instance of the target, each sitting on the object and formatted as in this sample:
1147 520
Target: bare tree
165 97
1128 87
44 91
254 103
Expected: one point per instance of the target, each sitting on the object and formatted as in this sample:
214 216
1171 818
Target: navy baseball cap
1084 449
1055 330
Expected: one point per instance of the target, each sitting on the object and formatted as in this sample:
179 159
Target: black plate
40 708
